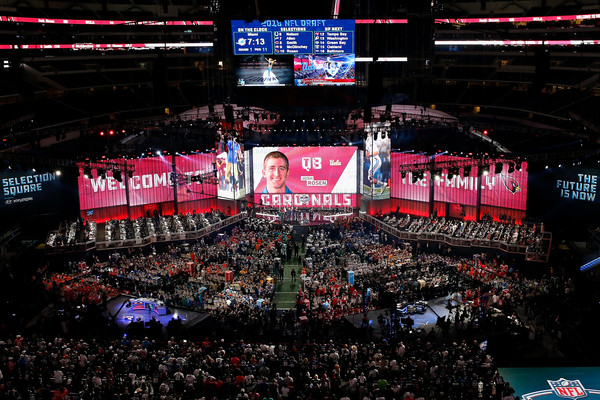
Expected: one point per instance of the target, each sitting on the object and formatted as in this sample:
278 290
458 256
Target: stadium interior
121 189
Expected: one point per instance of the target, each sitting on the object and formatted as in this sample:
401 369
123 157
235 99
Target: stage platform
435 309
306 217
149 312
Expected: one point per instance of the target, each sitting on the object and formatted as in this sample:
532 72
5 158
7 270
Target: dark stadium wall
272 98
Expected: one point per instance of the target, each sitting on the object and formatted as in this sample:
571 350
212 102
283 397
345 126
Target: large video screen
265 70
305 176
231 171
377 166
323 70
150 182
296 36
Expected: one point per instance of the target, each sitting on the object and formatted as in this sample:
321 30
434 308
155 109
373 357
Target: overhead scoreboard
293 36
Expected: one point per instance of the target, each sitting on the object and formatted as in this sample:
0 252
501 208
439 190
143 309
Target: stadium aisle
285 291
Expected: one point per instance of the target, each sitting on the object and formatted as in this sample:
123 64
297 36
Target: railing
460 242
141 242
70 248
307 215
192 235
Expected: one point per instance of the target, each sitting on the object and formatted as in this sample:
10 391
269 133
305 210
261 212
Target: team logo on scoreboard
510 183
564 389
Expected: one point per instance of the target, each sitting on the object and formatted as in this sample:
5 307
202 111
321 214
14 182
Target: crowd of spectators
72 232
157 224
348 267
415 368
78 231
487 230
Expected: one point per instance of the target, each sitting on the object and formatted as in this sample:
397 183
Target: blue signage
295 36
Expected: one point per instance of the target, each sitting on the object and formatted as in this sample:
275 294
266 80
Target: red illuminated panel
381 21
548 18
196 165
325 200
505 190
404 188
150 181
95 192
459 189
88 22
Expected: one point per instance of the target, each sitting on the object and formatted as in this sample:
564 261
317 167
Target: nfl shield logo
568 389
303 199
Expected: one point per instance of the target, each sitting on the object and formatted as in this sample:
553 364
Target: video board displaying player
304 176
231 169
265 70
324 69
377 163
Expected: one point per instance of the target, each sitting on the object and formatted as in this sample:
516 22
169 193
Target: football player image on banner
230 170
305 176
377 165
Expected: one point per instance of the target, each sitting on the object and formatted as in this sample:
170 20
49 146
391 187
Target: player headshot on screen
276 169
